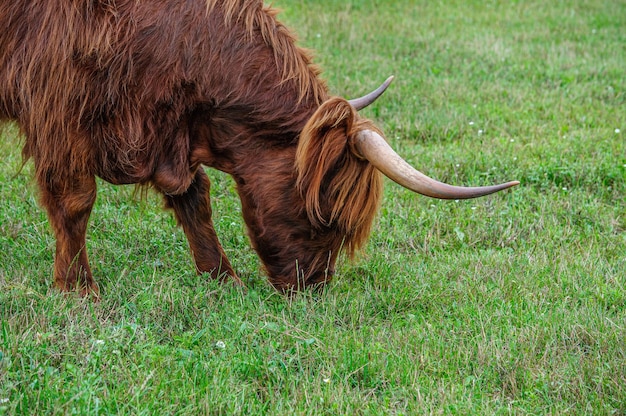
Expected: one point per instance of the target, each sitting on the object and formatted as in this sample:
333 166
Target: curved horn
373 147
362 102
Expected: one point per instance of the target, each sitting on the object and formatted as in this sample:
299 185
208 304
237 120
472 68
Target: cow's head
300 217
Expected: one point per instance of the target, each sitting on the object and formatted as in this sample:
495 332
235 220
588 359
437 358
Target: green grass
514 303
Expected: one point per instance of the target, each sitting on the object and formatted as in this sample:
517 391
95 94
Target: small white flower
515 158
617 131
319 35
512 140
473 208
3 401
457 165
471 123
326 380
564 188
481 131
220 345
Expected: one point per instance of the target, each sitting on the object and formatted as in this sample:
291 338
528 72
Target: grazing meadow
512 303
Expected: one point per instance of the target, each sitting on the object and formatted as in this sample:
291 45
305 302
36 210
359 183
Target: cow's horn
375 149
362 102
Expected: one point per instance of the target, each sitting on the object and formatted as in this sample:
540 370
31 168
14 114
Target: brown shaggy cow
146 92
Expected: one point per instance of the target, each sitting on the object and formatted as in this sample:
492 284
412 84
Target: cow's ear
339 188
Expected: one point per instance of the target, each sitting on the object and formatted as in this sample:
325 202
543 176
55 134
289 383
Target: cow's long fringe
328 170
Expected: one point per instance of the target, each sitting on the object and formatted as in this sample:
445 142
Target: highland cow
148 92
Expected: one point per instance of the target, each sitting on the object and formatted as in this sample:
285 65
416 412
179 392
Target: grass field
514 303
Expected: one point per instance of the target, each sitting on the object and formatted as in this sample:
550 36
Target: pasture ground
514 303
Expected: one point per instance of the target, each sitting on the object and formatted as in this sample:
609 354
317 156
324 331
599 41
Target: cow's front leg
69 202
193 212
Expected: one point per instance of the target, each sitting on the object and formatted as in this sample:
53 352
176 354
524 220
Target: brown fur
147 92
339 189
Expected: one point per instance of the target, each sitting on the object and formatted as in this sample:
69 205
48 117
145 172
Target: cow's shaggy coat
145 92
